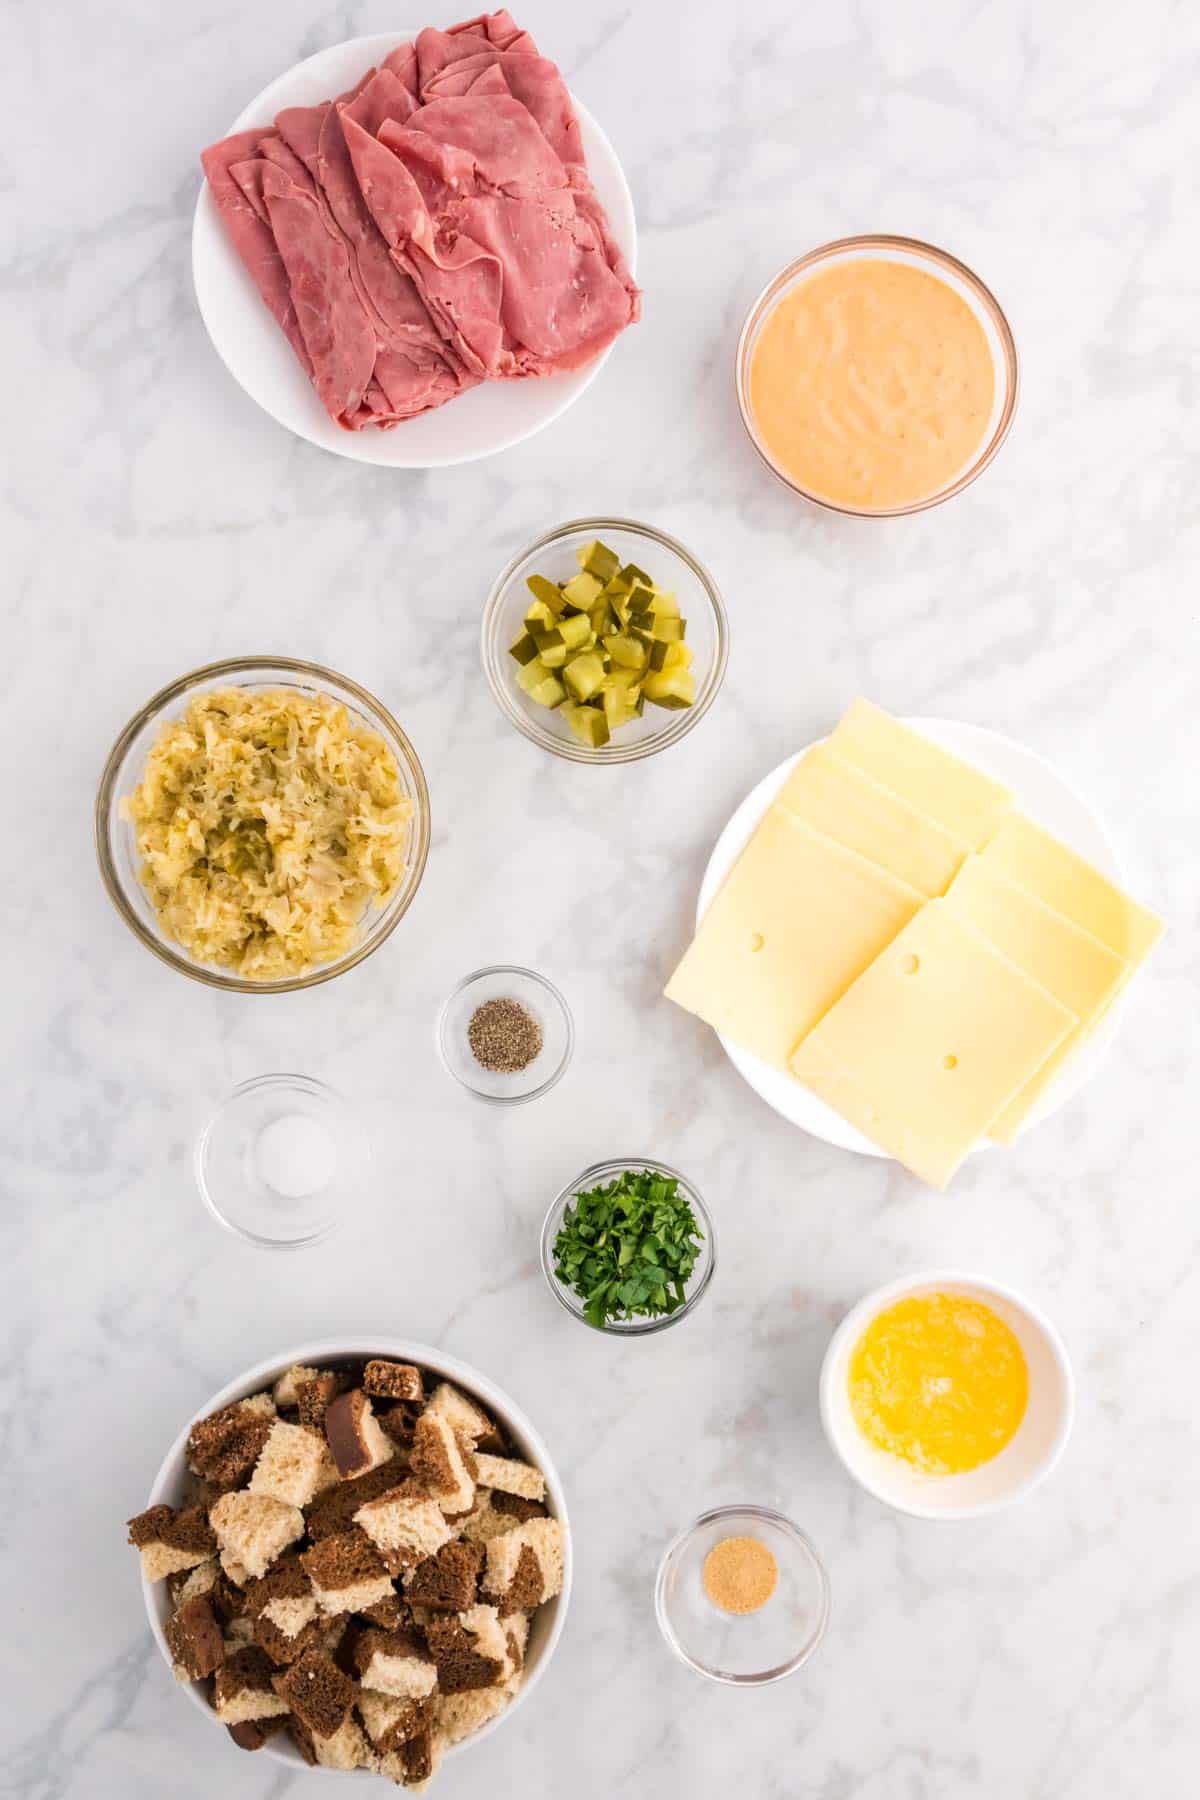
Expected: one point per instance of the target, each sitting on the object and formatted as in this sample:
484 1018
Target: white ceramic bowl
1020 1466
172 1478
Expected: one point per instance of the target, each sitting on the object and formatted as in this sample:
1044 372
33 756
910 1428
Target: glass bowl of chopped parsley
628 1247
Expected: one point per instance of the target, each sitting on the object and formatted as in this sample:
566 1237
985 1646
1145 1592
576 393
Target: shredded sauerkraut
269 822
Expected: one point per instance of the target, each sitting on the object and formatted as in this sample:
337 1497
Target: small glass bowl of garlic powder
742 1596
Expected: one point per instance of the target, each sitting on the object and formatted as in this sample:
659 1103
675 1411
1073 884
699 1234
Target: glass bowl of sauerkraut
262 824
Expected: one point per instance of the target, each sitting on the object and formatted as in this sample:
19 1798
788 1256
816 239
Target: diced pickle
575 630
584 675
670 631
667 604
524 650
632 575
540 614
582 591
549 690
676 656
547 592
673 688
598 560
546 637
628 652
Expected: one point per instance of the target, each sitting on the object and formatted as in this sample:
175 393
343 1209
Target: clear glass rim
278 1078
540 981
768 1515
1010 366
591 1177
495 654
375 713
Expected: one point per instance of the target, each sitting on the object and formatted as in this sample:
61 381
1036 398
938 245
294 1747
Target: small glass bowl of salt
277 1158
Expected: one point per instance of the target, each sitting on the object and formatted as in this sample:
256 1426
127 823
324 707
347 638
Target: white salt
295 1155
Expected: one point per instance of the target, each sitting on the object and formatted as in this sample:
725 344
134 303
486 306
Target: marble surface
154 520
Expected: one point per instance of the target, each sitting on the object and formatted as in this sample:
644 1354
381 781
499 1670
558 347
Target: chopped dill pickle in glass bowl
598 646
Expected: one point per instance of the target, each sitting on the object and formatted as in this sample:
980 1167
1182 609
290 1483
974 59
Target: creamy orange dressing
872 383
939 1381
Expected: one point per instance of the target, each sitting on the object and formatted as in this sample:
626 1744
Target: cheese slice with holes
1028 855
835 797
1067 961
796 920
932 1042
957 796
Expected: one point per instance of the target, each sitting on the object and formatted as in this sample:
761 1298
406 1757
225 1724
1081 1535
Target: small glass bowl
947 268
746 1649
504 981
702 1274
231 1185
666 561
116 845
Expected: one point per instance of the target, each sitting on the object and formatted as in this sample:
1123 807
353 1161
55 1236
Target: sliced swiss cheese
948 790
1067 961
848 805
1031 857
930 1045
797 919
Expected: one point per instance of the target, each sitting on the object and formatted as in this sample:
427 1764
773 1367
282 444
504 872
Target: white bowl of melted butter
921 1370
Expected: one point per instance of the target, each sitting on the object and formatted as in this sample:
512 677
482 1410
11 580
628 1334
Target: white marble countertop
154 519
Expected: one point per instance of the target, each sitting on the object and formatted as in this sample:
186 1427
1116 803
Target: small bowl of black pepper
506 1034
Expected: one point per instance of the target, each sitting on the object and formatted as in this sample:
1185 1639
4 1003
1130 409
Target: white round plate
1044 795
487 418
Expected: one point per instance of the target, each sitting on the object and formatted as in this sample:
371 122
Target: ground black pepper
504 1038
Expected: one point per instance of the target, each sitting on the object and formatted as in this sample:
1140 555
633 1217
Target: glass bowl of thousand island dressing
742 1596
877 376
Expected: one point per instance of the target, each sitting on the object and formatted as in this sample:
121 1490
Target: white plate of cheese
1041 793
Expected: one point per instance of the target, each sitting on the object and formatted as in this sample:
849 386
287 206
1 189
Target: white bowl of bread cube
367 1488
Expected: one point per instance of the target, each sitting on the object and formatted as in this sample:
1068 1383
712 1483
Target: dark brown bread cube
318 1693
390 1614
224 1448
194 1639
334 1510
448 1581
400 1422
517 1507
302 1737
461 1666
187 1529
253 1733
283 1649
394 1381
416 1754
353 1434
312 1399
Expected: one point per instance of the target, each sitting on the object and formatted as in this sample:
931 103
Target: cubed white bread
292 1465
402 1677
346 1749
484 1522
491 1639
255 1528
437 1459
516 1628
459 1716
356 1596
250 1703
291 1615
238 1634
160 1560
511 1477
198 1582
403 1522
392 1765
236 1570
545 1538
462 1415
285 1390
260 1404
380 1712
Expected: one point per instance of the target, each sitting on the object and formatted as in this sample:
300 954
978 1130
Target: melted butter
940 1381
872 384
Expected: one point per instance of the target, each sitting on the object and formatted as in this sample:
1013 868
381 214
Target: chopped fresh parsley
628 1248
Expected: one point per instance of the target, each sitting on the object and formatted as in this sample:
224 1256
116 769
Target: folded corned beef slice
432 228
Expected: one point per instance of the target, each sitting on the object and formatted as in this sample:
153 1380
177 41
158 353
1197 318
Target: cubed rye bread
224 1448
312 1401
243 1688
466 1417
168 1541
193 1584
471 1650
458 1716
439 1461
399 1420
393 1381
356 1440
525 1566
390 1722
346 1573
317 1693
302 1737
254 1529
252 1734
286 1581
512 1506
284 1647
415 1763
238 1633
389 1614
396 1663
334 1511
194 1639
448 1581
294 1465
405 1525
287 1386
516 1630
507 1476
